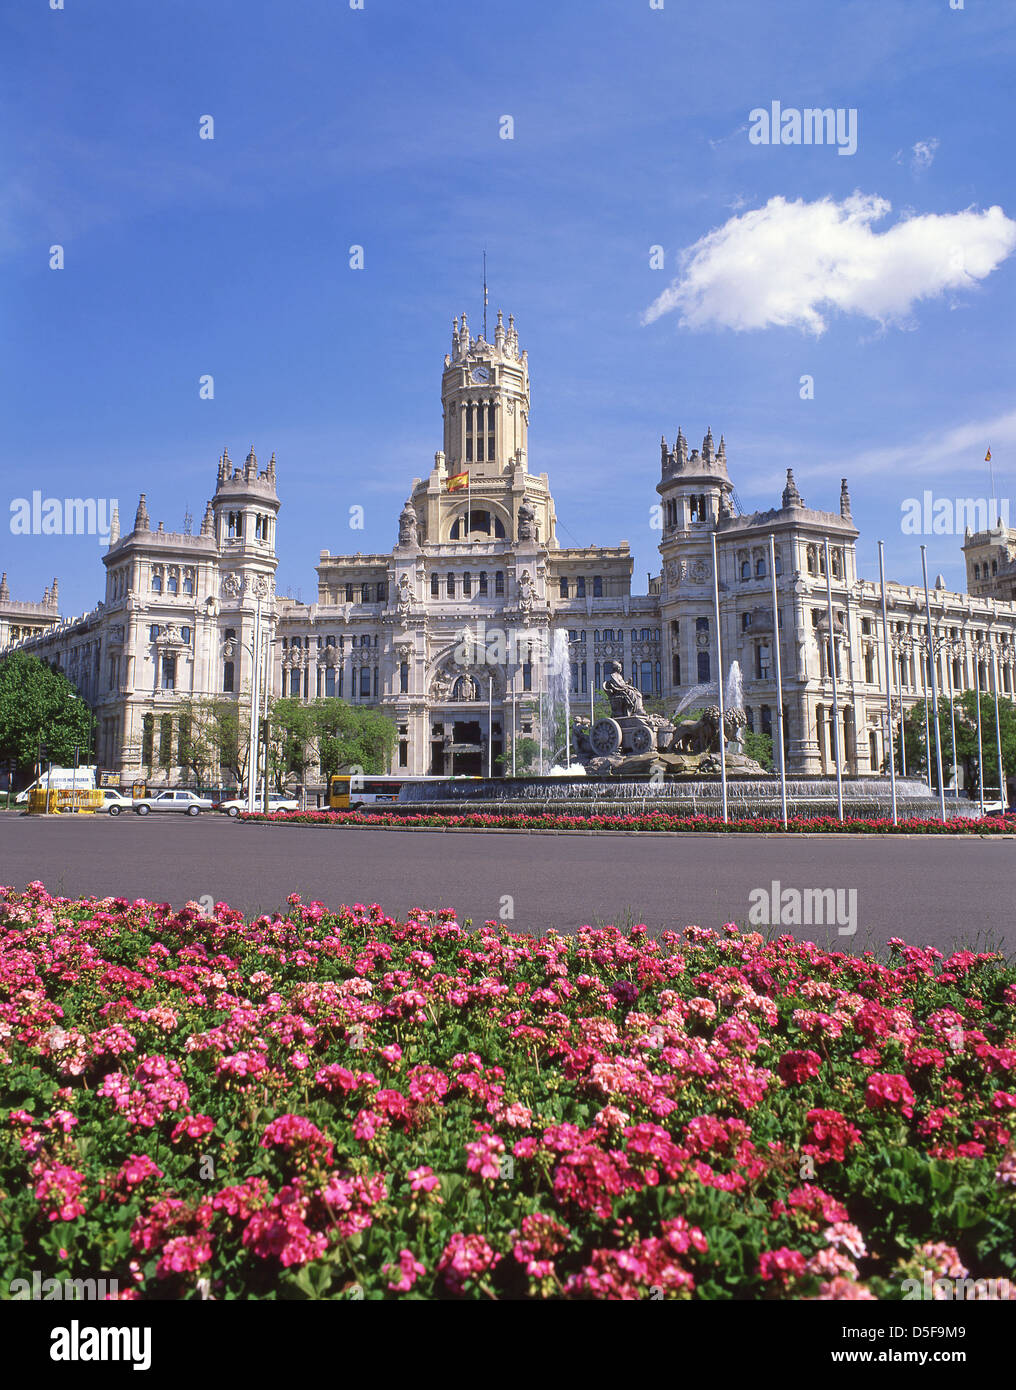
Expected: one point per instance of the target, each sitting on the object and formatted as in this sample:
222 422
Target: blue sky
881 274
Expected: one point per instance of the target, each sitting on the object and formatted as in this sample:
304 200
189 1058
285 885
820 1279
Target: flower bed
650 820
337 1104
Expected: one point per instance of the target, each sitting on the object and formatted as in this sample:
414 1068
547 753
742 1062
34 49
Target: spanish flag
987 457
459 481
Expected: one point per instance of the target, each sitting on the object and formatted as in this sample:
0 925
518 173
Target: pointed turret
791 496
141 520
680 449
250 467
845 500
208 522
707 447
270 473
499 331
54 595
5 590
114 526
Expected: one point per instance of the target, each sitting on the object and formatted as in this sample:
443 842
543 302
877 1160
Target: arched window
745 569
467 584
435 586
760 567
564 586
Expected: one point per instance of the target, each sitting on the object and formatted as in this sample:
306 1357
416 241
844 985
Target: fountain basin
746 796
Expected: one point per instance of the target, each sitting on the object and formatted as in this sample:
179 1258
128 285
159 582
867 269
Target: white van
60 779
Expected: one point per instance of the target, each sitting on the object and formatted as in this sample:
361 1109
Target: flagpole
779 683
719 680
934 689
888 682
998 728
980 745
832 672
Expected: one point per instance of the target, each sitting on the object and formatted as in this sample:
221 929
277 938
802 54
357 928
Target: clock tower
485 396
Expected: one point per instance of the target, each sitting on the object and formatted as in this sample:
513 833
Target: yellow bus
347 791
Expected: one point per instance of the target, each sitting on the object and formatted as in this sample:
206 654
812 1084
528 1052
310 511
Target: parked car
114 802
188 802
275 803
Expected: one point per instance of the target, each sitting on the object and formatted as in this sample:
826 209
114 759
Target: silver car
188 802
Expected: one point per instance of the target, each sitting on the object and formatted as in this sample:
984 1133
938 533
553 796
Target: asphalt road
929 890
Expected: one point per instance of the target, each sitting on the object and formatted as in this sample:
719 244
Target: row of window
762 568
577 588
466 579
985 575
235 526
363 639
638 634
698 509
331 682
367 593
167 579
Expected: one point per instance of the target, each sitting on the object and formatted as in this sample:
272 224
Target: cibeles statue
409 525
632 743
624 699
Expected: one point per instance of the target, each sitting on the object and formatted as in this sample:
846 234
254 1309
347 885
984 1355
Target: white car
275 803
188 802
114 802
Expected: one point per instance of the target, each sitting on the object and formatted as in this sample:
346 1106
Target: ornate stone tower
485 405
242 517
485 397
697 495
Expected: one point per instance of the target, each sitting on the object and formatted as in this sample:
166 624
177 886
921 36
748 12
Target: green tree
527 758
920 756
759 747
350 737
292 730
39 705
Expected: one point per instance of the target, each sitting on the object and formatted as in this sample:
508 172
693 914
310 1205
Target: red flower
796 1067
889 1089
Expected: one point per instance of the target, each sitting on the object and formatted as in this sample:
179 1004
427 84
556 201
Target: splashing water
558 702
695 693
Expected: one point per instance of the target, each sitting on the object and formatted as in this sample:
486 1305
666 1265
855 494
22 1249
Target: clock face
481 373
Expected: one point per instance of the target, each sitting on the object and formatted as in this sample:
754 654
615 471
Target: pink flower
137 1168
483 1156
423 1179
465 1258
888 1089
183 1255
797 1067
782 1265
193 1127
410 1270
58 1190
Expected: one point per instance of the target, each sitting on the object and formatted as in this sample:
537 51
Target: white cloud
790 264
923 154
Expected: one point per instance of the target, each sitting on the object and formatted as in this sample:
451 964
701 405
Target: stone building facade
449 632
21 619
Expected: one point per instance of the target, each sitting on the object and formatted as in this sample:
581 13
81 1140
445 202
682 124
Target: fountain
634 762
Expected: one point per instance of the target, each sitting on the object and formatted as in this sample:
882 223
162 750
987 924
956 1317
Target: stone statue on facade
526 520
409 525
